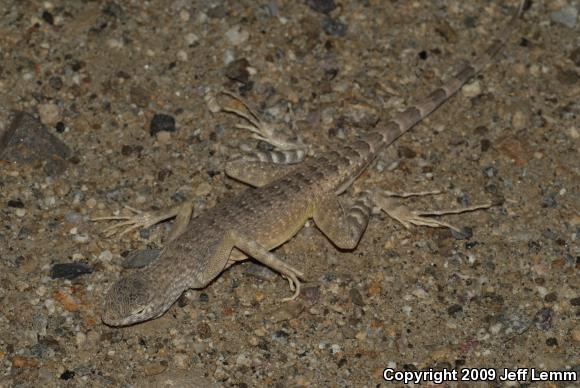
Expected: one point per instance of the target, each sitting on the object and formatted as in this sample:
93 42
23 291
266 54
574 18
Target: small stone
191 38
575 334
356 297
238 70
55 82
566 16
69 270
204 330
236 35
161 122
164 137
334 28
454 310
243 361
406 152
567 77
49 114
472 89
139 96
543 318
520 120
321 6
27 140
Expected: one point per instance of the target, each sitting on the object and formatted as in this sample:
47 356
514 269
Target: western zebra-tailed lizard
284 197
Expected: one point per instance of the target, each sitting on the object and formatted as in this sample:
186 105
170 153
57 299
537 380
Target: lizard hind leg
290 146
384 201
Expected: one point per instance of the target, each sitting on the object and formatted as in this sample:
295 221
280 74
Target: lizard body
260 219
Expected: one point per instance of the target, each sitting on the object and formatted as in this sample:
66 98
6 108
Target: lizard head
131 300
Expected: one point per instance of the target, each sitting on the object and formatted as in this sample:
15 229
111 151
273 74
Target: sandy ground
96 73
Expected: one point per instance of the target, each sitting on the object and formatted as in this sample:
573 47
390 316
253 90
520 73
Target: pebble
69 270
543 318
334 28
322 6
162 122
237 35
49 114
237 70
191 38
566 16
472 89
26 140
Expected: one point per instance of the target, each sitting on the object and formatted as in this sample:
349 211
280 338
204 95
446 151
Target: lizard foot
264 131
139 219
407 217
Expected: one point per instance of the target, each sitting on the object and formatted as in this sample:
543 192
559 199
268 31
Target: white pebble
236 35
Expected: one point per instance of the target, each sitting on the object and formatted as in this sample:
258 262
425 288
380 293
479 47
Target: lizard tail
405 120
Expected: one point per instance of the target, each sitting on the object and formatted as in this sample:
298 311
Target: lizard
289 188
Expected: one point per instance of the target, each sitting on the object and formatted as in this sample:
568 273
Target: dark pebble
549 201
69 270
16 203
217 12
490 171
356 297
485 145
182 301
334 28
47 17
454 310
140 258
575 301
67 375
543 318
112 9
280 334
322 6
534 246
139 96
481 130
161 122
423 55
238 70
406 152
465 233
551 297
552 341
204 330
568 77
55 82
311 294
60 127
204 297
27 140
128 150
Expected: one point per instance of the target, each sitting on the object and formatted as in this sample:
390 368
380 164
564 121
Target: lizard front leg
142 219
224 255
